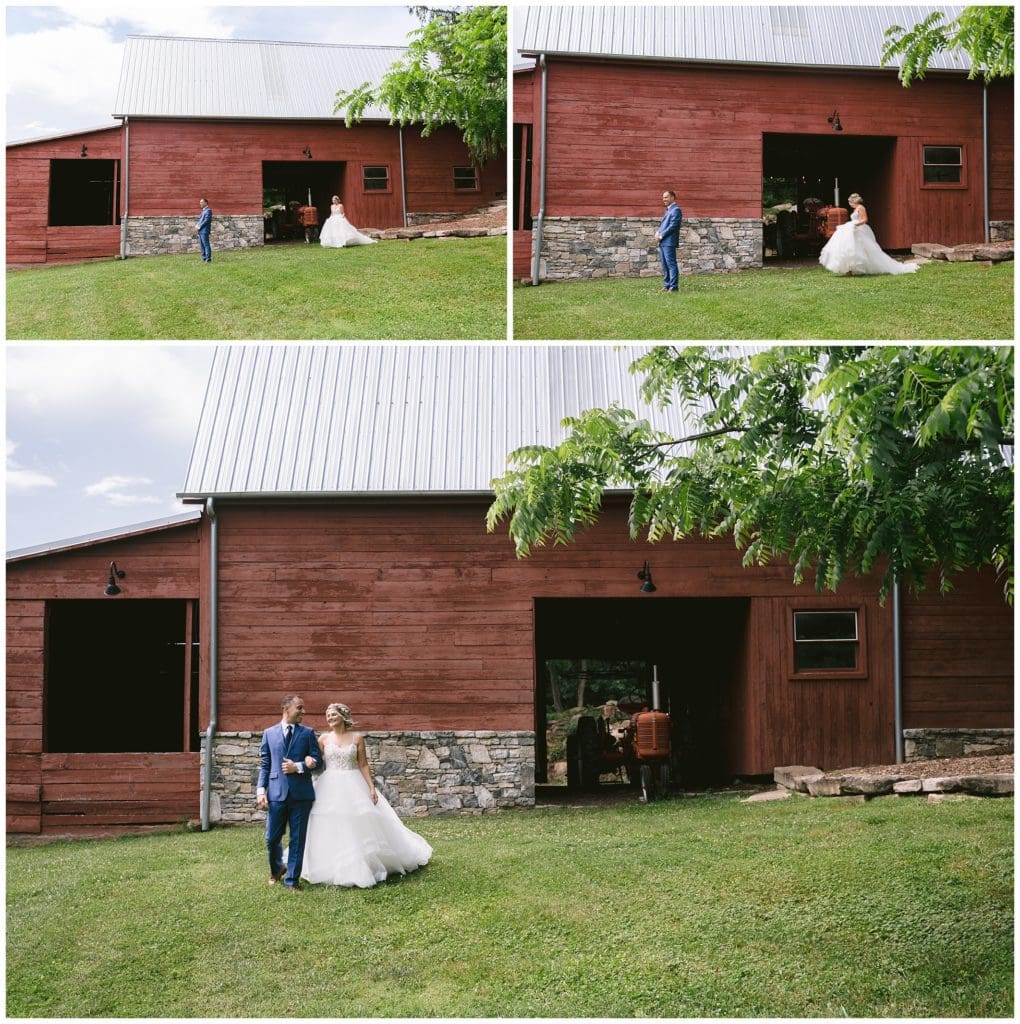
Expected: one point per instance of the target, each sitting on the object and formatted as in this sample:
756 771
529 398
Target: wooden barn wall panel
958 655
524 99
162 564
429 164
417 618
158 565
88 790
1000 143
611 124
173 163
28 192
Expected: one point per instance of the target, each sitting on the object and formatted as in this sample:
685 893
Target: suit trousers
284 814
203 243
670 271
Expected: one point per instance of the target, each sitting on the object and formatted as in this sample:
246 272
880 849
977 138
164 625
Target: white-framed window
376 178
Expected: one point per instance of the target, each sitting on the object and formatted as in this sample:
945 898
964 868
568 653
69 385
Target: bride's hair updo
336 199
854 196
344 712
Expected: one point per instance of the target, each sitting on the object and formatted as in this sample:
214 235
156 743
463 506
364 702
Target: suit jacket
669 226
278 785
205 219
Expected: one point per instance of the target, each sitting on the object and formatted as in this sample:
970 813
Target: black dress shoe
274 878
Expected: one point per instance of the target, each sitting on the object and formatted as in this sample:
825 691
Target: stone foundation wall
592 247
158 236
1000 231
923 744
420 773
417 219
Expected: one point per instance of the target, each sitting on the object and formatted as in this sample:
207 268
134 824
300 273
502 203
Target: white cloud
115 491
23 480
150 389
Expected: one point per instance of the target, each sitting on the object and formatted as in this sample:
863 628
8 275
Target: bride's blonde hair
336 199
343 711
854 195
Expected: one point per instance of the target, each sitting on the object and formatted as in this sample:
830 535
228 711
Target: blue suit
669 239
290 796
204 226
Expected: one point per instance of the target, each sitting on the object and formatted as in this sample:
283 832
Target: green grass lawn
425 289
699 906
940 301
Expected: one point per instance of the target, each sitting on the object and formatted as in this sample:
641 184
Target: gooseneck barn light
834 121
307 152
645 574
115 574
84 150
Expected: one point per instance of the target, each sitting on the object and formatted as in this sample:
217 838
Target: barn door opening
287 184
804 176
595 657
121 676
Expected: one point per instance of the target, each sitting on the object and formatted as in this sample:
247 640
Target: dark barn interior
800 167
609 646
288 181
84 192
118 677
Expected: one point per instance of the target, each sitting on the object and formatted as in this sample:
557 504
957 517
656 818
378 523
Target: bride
338 231
354 837
854 250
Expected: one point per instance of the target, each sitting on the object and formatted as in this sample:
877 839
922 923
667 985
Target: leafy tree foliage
841 459
454 72
985 34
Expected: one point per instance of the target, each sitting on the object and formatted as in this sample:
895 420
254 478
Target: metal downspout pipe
897 673
536 250
403 179
984 144
124 212
210 732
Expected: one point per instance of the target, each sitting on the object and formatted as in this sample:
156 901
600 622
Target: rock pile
988 252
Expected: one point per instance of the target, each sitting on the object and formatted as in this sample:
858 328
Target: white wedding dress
855 249
339 232
350 840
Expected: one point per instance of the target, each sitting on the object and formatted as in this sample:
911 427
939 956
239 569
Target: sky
63 62
98 435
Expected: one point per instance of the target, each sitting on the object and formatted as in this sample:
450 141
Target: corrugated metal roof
88 539
166 76
394 419
810 36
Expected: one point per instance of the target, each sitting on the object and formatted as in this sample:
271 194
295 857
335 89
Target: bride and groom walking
342 830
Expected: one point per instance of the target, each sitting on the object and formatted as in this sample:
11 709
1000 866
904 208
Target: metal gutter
127 169
210 732
403 179
536 250
897 673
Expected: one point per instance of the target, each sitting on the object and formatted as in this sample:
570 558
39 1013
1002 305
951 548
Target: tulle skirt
855 249
339 232
353 842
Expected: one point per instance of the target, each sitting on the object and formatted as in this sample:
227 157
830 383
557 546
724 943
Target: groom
285 788
668 237
203 229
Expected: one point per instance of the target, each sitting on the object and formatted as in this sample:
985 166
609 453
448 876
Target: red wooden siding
523 99
1000 142
522 253
29 239
417 619
429 164
163 564
958 656
619 133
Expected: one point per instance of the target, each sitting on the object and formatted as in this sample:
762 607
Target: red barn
250 127
339 550
725 104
